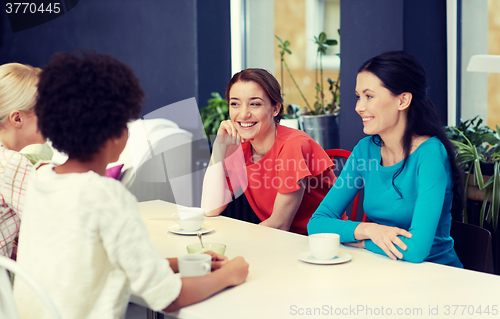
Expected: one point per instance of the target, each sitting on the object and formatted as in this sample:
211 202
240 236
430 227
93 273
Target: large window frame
252 34
467 35
453 75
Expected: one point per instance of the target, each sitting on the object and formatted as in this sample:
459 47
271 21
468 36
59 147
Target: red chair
333 153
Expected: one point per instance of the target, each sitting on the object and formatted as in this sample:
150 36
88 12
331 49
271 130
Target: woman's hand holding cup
217 259
236 271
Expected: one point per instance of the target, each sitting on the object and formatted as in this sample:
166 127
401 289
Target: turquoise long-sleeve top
423 208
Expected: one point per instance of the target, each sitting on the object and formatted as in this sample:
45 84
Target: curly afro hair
85 98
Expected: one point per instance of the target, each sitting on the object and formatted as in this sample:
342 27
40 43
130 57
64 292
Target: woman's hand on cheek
228 134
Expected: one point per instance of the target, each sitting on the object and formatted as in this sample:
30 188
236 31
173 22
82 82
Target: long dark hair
401 72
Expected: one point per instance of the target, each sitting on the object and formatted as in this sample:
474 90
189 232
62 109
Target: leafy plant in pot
213 114
290 117
478 151
478 155
321 121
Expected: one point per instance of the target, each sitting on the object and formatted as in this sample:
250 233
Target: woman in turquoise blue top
406 167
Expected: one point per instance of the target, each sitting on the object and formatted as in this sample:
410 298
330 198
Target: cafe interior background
185 50
188 49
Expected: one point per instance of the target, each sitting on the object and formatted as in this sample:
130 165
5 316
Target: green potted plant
213 114
321 120
290 117
478 155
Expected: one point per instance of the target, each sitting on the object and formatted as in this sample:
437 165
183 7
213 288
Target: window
252 34
323 16
478 31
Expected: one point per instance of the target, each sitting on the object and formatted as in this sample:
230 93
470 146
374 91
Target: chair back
473 246
157 162
334 153
8 307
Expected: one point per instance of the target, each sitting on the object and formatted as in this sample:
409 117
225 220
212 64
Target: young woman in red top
283 172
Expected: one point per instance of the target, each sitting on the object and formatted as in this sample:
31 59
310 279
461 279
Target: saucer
176 229
340 258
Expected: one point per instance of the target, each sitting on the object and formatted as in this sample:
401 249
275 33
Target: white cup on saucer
189 218
194 265
324 246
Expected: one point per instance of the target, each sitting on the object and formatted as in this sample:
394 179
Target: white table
281 286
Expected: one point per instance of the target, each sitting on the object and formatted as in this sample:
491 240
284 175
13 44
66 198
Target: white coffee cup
194 265
189 218
324 246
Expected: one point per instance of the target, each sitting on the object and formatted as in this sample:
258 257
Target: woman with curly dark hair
411 181
82 237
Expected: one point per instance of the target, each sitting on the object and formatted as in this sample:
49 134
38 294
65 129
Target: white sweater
83 240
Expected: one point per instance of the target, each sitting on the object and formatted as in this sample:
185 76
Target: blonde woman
18 128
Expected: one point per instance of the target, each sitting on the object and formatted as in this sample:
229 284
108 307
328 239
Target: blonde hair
18 88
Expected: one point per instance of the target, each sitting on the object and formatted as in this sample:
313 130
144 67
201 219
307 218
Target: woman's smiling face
251 110
379 109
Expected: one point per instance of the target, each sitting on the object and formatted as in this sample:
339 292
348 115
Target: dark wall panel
425 38
372 27
214 48
367 28
156 38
